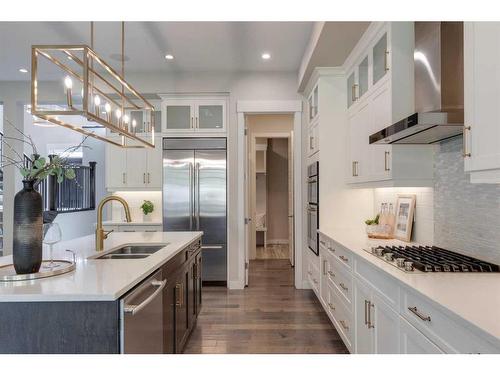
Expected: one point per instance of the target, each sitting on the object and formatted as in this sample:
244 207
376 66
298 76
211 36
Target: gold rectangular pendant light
93 94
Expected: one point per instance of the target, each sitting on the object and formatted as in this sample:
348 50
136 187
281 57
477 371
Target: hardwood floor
272 252
269 316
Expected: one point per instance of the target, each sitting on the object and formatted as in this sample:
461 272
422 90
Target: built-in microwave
313 207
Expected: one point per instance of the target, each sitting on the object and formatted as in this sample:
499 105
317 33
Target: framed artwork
405 211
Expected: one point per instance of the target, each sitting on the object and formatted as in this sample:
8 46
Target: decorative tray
8 273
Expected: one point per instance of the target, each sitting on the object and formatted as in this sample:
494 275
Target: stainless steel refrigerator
194 197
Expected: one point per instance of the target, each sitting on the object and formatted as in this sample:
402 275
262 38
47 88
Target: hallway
270 316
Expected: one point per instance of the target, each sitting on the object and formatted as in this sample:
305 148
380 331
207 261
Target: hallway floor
272 252
269 316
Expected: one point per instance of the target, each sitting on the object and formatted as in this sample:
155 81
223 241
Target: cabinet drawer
342 254
313 277
449 333
341 316
387 288
341 278
184 255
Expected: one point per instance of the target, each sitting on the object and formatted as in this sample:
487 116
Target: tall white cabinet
481 147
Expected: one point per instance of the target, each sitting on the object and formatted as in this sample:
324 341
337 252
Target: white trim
268 106
319 72
271 106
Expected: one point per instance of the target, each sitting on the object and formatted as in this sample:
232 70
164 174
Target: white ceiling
197 46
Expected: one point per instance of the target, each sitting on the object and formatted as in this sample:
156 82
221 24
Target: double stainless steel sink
132 252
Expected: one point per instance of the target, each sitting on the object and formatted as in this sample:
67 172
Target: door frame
244 107
288 135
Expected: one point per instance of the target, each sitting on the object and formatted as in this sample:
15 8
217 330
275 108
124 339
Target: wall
467 216
135 200
423 225
341 206
277 190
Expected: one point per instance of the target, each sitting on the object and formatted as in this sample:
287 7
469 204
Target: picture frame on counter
405 212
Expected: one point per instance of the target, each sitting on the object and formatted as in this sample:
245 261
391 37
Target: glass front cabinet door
179 116
380 59
210 115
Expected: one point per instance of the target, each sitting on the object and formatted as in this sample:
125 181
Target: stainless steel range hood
439 88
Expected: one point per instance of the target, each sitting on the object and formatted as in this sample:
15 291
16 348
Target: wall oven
313 207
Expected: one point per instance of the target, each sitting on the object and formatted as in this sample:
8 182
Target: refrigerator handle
191 196
197 181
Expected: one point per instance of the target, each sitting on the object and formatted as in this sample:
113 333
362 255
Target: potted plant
147 208
28 204
372 225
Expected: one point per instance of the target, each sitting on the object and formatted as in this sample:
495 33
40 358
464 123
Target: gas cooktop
430 259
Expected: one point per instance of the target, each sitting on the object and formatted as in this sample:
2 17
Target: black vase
28 230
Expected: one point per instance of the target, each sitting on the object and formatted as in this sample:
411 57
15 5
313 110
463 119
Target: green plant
38 167
372 221
147 207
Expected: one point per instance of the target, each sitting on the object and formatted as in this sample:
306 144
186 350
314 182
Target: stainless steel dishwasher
141 317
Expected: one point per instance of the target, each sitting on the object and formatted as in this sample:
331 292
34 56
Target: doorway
270 190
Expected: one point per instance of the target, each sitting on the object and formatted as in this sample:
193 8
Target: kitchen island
83 311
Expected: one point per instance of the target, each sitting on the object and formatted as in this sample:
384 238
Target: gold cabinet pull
386 161
466 151
344 258
179 294
344 324
386 61
331 273
344 287
366 311
324 267
144 178
331 306
353 93
124 177
331 249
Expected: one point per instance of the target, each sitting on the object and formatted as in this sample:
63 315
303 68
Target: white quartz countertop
474 297
97 279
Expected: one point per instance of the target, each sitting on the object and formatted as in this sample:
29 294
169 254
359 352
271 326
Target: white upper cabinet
134 168
194 115
482 101
380 92
312 102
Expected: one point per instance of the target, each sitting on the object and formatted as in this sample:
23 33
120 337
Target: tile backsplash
423 226
135 200
467 216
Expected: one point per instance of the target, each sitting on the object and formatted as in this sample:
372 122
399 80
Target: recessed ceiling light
266 56
23 70
169 57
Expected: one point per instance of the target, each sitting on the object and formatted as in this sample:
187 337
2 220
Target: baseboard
278 242
236 284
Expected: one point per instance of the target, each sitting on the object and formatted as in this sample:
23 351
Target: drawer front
341 316
449 333
342 254
412 341
324 242
386 287
313 277
342 279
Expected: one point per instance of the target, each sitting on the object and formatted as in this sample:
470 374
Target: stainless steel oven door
312 228
312 190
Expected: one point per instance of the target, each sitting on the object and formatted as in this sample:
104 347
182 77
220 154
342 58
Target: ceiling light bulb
266 56
68 82
118 113
97 100
169 57
23 70
126 119
107 107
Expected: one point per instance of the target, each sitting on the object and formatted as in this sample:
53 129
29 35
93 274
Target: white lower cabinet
377 324
375 313
412 341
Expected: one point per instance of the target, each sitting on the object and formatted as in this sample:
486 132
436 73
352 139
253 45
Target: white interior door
291 232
